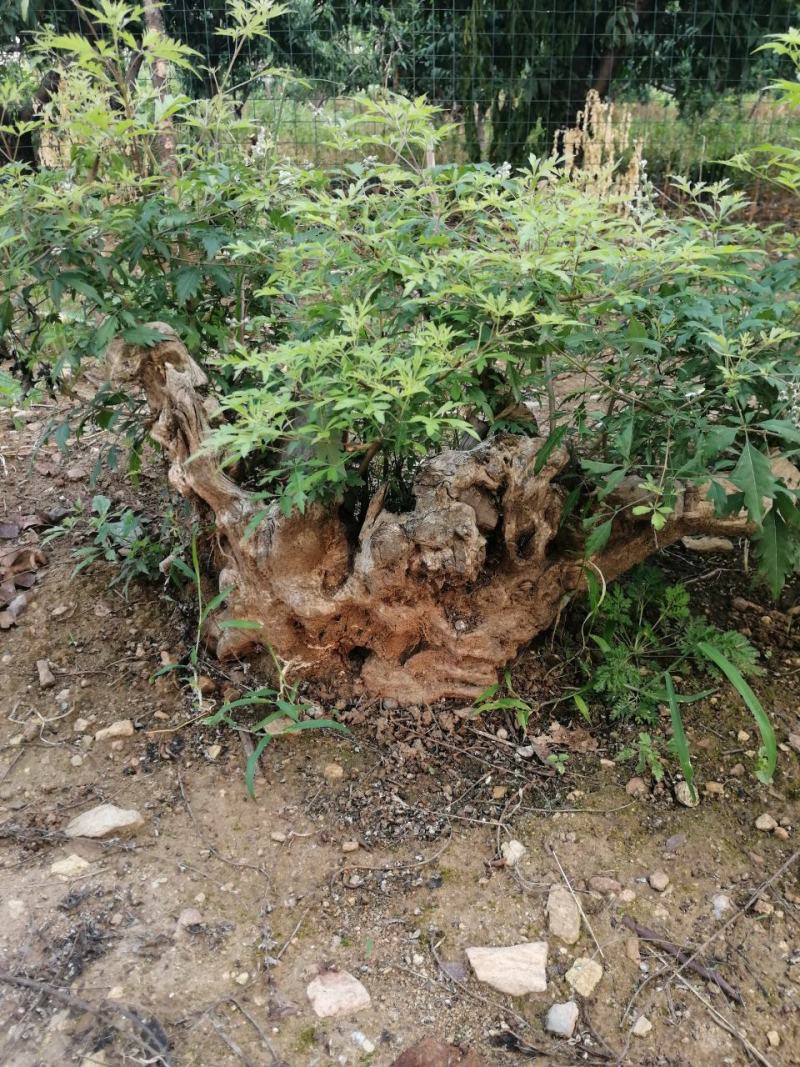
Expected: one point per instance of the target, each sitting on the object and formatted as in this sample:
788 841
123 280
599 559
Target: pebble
242 978
213 751
189 917
350 846
738 770
642 1027
583 976
562 1018
603 885
720 903
336 993
103 820
515 969
62 698
672 844
46 677
659 880
69 867
766 823
774 1038
636 787
632 949
333 772
564 919
502 734
627 896
277 836
76 760
363 1042
683 795
781 833
80 726
714 789
742 737
512 852
120 728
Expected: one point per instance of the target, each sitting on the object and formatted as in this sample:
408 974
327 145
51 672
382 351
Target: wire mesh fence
508 76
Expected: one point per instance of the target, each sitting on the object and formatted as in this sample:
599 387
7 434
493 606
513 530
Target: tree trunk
424 604
166 149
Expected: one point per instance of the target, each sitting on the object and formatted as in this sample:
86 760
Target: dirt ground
119 971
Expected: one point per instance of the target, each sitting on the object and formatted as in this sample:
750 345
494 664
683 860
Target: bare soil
428 795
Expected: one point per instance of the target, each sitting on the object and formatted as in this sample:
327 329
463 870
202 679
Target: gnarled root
428 603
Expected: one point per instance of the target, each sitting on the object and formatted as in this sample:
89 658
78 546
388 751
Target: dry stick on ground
260 1031
716 1015
764 886
402 866
146 1036
651 937
577 902
226 1040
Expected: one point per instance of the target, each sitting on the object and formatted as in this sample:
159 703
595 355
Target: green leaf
597 539
782 428
582 706
768 753
552 441
187 283
753 475
679 742
252 764
240 624
143 335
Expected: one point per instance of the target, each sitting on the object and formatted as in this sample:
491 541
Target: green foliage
639 629
503 697
287 714
647 756
116 536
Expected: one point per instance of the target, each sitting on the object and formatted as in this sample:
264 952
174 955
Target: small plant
114 536
287 714
491 699
647 756
644 634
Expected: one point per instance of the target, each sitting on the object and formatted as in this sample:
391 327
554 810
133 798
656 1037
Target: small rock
333 772
188 918
738 770
707 545
683 794
69 867
720 903
499 792
103 820
636 787
502 734
642 1027
774 1038
632 949
515 969
213 751
659 880
242 978
714 789
743 737
563 916
606 886
80 726
120 728
350 846
76 760
583 976
336 993
781 833
455 969
627 896
766 823
562 1018
46 677
363 1042
794 741
672 844
206 685
763 907
512 852
278 836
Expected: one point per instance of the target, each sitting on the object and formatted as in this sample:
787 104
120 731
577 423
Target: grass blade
679 744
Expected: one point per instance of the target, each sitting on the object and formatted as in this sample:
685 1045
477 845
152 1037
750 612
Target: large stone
433 1053
337 993
563 915
562 1018
515 969
583 976
104 820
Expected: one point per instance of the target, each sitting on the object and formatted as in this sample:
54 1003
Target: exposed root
428 603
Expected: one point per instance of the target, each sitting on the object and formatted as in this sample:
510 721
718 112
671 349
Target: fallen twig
646 934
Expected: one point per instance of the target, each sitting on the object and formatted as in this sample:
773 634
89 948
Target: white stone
213 751
336 993
103 820
659 880
120 728
720 903
766 823
46 677
561 1019
512 969
512 852
642 1027
80 725
683 795
563 915
774 1038
69 867
189 917
583 976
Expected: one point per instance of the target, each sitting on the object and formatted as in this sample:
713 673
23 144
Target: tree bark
166 145
423 604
